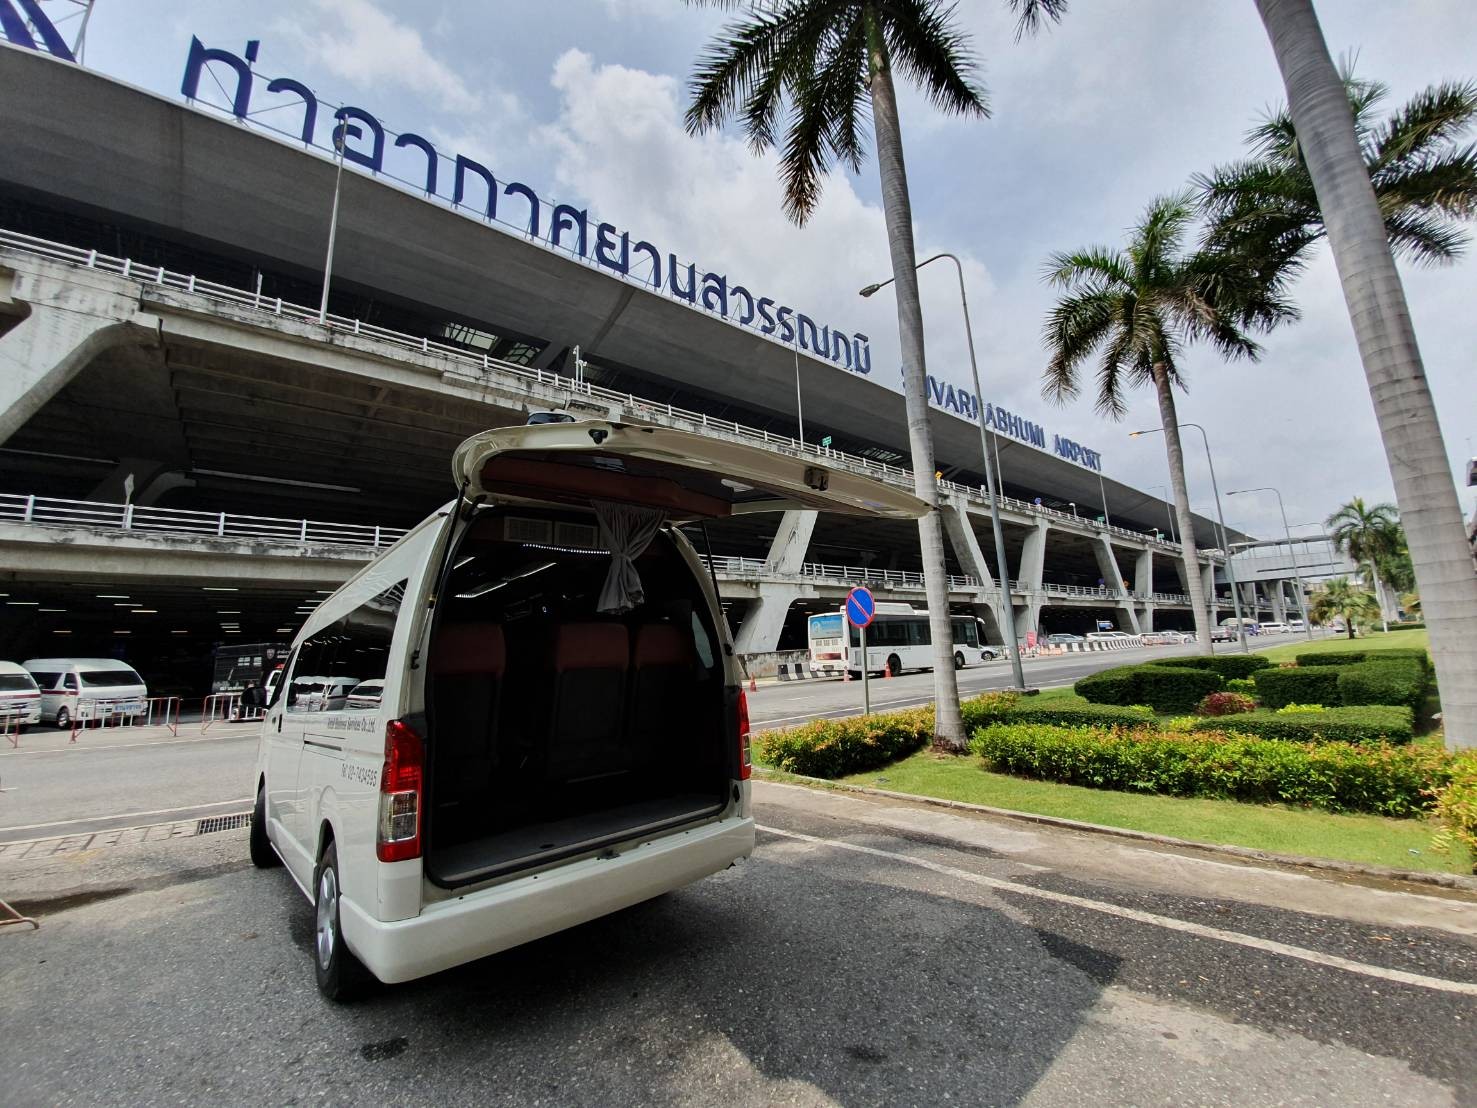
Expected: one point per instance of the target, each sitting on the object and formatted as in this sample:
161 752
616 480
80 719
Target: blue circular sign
860 607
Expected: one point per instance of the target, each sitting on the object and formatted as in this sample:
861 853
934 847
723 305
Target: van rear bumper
463 928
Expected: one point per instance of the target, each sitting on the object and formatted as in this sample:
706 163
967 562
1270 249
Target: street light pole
1168 510
338 177
1221 516
1292 553
1003 567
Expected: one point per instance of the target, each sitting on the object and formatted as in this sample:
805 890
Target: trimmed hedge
1301 685
837 747
1368 724
1337 777
1227 665
1354 657
1170 690
1396 681
1028 710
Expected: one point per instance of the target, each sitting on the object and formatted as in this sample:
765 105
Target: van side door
284 753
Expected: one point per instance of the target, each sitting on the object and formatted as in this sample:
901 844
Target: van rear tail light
401 783
746 764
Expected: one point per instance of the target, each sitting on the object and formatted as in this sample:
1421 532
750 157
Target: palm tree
1424 178
1355 225
1339 599
1370 535
1141 306
823 64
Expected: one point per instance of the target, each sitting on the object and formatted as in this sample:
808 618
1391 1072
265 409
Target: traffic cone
887 671
753 685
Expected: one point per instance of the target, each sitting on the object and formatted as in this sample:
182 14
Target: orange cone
753 685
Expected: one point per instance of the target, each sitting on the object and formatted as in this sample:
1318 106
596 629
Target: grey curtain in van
626 532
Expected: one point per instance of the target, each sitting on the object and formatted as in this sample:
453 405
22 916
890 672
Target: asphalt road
125 777
870 953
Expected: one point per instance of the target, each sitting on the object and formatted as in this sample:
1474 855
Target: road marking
129 746
855 710
125 815
1169 923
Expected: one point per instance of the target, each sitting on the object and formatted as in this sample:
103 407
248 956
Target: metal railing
53 511
481 368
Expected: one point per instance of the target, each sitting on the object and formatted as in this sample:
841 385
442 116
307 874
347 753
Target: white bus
898 639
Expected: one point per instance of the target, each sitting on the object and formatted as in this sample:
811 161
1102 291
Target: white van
20 699
560 729
87 688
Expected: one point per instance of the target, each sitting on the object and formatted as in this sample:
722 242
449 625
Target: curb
1454 881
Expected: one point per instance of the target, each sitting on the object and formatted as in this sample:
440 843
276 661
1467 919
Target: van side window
344 654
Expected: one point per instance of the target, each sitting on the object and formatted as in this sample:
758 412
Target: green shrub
1456 805
1241 684
1299 709
837 747
1338 777
1343 658
1166 689
1383 681
1298 685
1354 657
1225 704
1370 724
1227 665
1007 707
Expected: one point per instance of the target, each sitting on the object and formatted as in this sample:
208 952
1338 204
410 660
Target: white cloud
358 42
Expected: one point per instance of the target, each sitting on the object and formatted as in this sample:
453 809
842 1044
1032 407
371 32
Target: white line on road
1269 946
125 815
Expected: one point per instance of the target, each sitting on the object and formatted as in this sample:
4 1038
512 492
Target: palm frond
1095 264
1433 118
928 48
1074 329
1032 15
732 67
1424 239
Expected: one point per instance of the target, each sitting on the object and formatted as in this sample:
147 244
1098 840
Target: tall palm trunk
1182 508
1424 490
948 725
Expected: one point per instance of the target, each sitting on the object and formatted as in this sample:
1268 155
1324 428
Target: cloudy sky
582 99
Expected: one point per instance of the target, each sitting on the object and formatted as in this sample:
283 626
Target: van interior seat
467 665
662 665
586 723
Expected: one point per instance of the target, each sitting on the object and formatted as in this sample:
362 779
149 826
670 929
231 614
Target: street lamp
979 403
340 134
1230 573
1168 509
1073 505
1292 550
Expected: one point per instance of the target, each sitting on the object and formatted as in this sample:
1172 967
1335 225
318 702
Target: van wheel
63 719
340 975
958 660
894 665
262 854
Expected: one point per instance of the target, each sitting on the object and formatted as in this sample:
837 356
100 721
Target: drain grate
222 823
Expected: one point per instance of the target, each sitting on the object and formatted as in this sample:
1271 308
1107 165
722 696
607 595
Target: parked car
20 699
1061 638
366 694
1274 629
87 688
1222 634
558 735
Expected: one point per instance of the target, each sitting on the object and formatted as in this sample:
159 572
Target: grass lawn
1339 644
1353 838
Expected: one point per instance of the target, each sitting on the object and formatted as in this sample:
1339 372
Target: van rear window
110 678
15 682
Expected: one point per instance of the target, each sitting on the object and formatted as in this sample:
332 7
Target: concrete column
1207 585
966 543
1279 601
791 541
760 631
1112 576
1033 559
1143 573
67 324
1249 602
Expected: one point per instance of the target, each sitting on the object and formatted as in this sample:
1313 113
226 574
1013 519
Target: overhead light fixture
219 588
144 612
122 632
179 632
111 595
61 631
51 609
62 457
22 603
129 604
228 611
283 631
259 479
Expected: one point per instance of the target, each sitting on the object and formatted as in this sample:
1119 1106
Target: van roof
75 663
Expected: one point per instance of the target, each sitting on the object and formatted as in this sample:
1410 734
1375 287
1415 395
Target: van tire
894 665
263 856
63 719
958 660
341 976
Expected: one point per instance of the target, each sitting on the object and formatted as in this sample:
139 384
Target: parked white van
20 699
560 730
87 688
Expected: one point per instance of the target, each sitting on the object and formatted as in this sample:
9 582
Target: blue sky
582 99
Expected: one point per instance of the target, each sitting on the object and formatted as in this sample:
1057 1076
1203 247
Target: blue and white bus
898 639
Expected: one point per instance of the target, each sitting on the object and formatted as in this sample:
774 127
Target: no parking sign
860 607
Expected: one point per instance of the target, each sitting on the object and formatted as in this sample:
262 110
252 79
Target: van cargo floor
522 846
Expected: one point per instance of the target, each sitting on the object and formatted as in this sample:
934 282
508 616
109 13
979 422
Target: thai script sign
363 141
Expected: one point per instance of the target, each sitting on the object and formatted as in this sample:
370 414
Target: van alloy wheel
326 930
63 718
341 976
958 660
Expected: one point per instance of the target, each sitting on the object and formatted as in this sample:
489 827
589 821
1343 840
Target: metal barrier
154 711
481 367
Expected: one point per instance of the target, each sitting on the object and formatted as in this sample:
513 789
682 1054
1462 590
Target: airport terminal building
181 428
